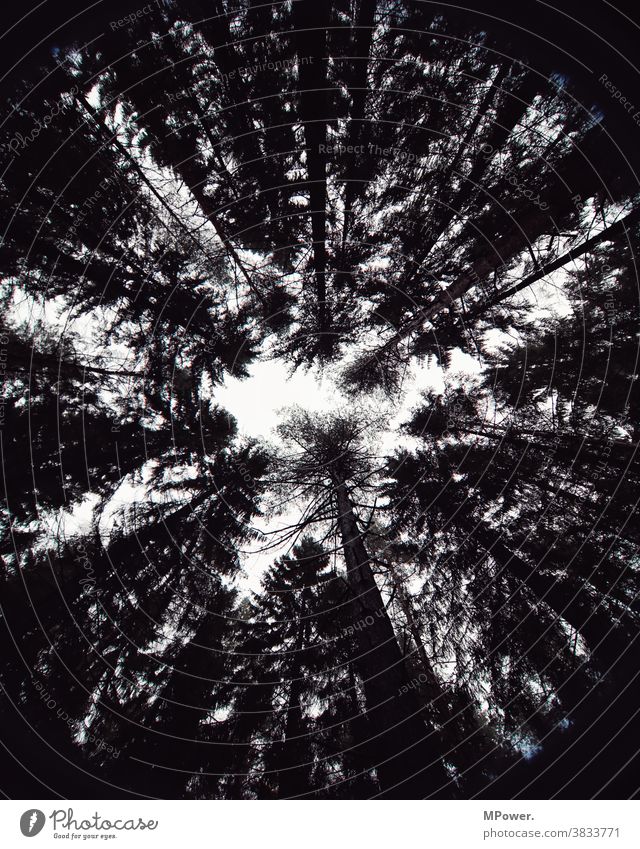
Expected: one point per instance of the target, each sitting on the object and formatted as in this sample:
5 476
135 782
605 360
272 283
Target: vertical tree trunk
311 20
509 114
294 776
452 203
355 182
403 748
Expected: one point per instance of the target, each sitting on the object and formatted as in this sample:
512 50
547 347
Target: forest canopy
427 588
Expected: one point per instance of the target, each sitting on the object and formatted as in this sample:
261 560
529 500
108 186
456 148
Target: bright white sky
256 400
256 403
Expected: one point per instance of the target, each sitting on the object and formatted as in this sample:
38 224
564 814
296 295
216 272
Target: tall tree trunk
452 204
293 779
311 20
404 749
190 175
356 171
612 232
571 177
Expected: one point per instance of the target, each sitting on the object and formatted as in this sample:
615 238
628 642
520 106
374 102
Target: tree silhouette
429 589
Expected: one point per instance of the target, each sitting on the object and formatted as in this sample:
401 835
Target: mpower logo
32 822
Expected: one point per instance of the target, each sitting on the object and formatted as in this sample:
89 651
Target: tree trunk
355 177
453 205
293 779
608 234
311 19
403 748
571 177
